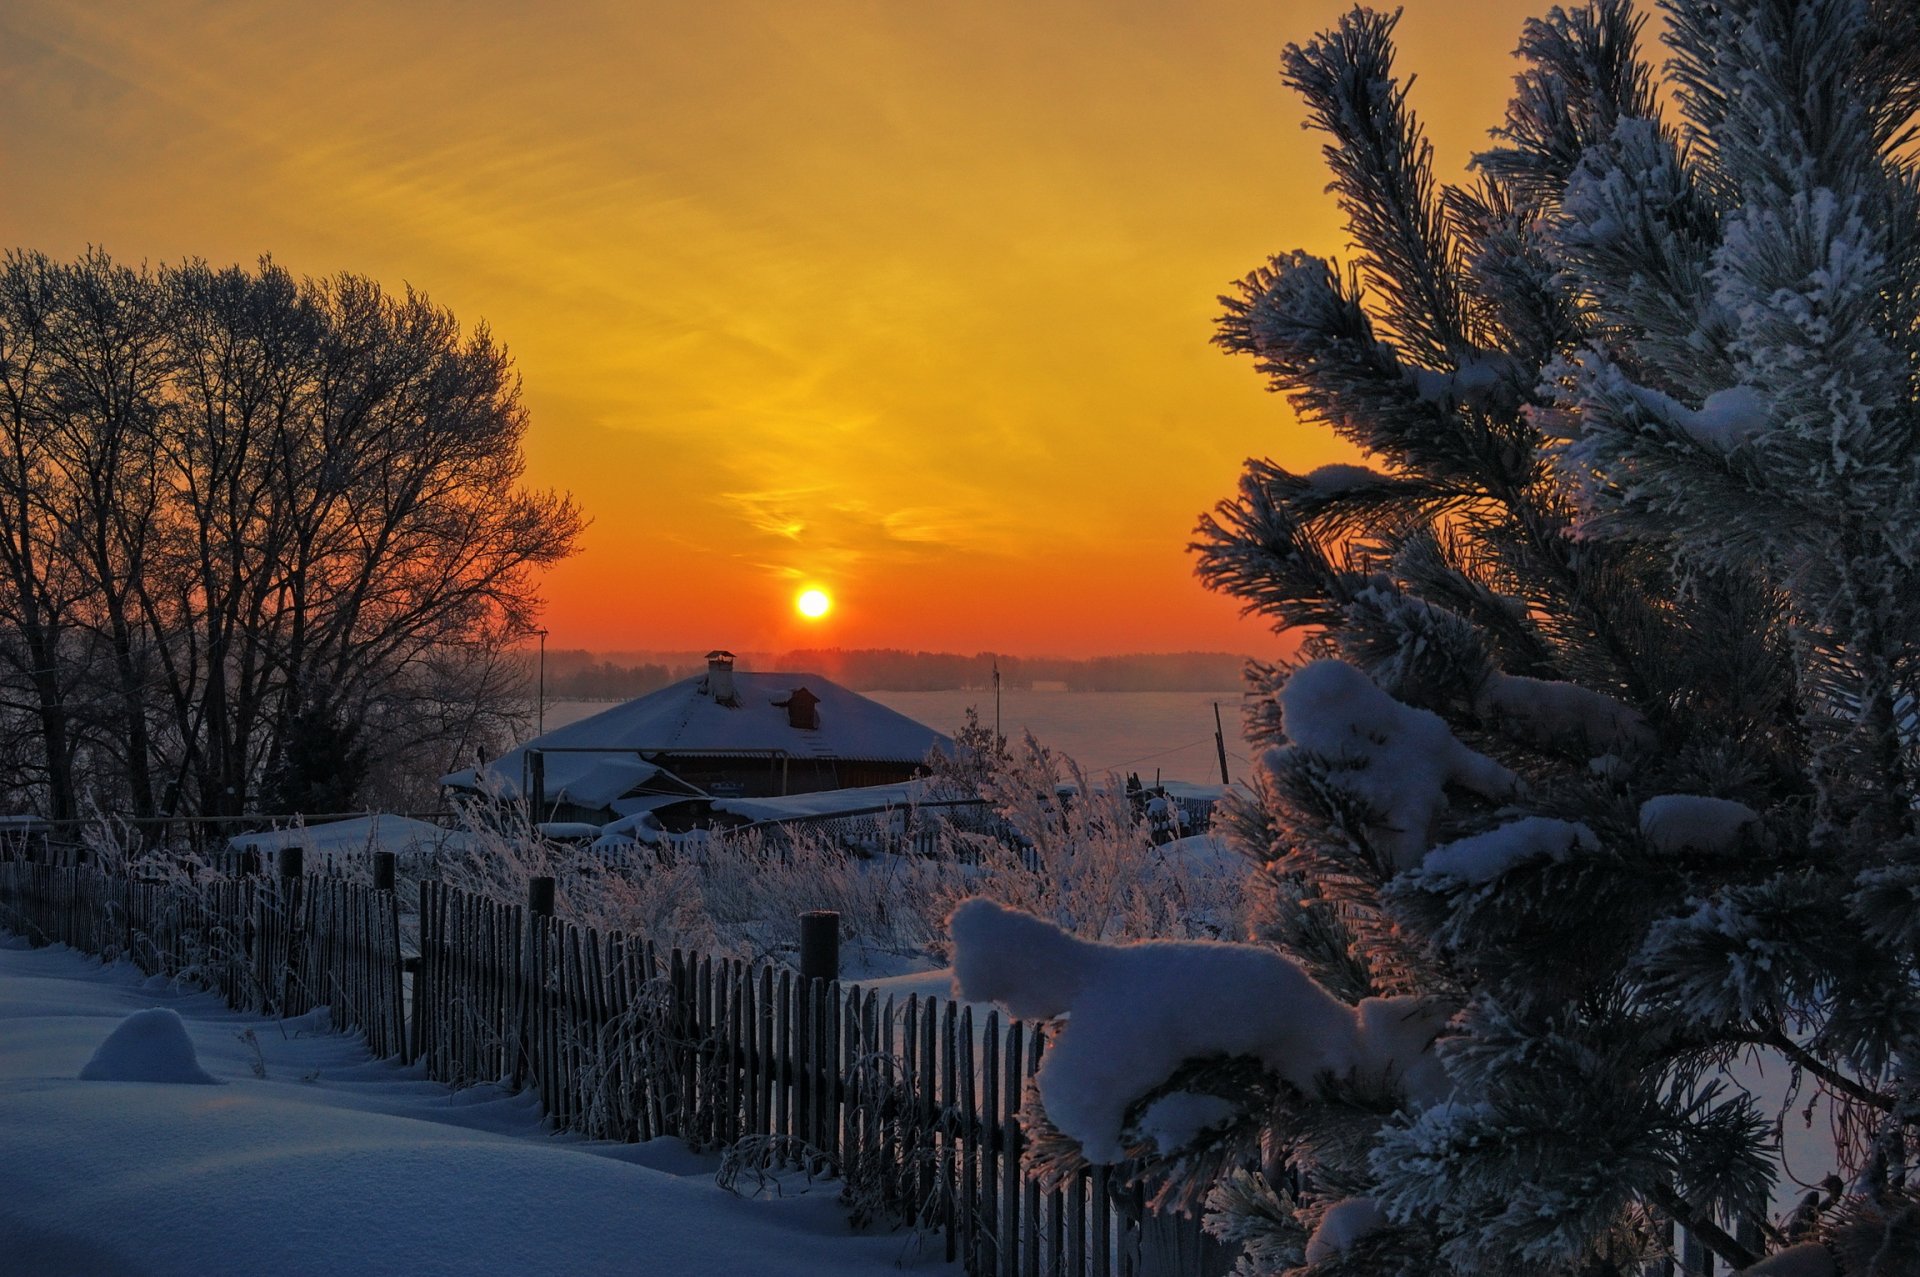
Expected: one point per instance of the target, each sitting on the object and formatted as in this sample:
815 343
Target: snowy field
304 1155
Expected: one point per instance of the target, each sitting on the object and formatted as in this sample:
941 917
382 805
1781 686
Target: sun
813 604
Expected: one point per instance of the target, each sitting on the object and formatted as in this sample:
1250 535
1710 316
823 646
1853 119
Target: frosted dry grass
1087 862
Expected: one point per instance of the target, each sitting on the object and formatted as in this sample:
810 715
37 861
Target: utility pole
998 738
1220 742
540 698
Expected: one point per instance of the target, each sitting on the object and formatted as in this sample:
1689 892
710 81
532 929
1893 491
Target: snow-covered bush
1086 860
1598 768
1068 848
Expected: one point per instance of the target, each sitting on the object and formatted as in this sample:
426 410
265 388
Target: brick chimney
803 709
720 678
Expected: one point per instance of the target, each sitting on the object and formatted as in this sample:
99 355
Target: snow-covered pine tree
1598 770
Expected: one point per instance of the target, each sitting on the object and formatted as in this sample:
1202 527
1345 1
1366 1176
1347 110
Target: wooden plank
1076 1223
873 1090
704 1110
988 1233
1098 1189
621 1091
750 1113
912 1110
948 1123
970 1149
851 1051
682 1020
543 975
928 1089
826 1031
604 1097
1032 1234
888 1142
802 1056
830 1068
783 1056
719 1051
1009 1232
579 1059
450 988
739 1028
422 991
765 1080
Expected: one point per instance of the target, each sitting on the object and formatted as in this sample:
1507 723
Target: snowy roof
827 802
685 719
379 831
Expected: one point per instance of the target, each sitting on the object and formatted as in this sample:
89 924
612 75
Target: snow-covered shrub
1085 860
1600 758
1064 845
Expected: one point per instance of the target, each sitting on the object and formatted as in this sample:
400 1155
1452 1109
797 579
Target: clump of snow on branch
1808 1259
1691 822
1484 857
1395 759
1139 1011
1177 1118
1477 379
1727 419
1337 478
1562 715
1345 1222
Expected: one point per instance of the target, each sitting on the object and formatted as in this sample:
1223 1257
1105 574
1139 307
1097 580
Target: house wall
728 777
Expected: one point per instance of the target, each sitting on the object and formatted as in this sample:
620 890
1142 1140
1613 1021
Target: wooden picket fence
276 946
912 1102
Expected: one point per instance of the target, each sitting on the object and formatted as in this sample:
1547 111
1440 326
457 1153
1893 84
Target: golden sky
906 299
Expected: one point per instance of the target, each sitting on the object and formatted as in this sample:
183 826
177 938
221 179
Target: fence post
291 861
820 945
383 865
533 970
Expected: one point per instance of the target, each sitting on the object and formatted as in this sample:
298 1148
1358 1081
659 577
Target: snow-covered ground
308 1156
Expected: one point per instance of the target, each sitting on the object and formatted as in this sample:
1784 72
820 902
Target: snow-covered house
724 734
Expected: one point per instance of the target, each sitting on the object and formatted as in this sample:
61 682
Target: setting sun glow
813 604
873 291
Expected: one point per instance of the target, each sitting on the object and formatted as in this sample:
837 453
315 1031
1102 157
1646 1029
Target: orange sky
908 299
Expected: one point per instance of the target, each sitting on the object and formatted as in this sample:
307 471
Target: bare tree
265 511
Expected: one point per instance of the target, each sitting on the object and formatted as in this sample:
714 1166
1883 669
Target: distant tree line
263 543
587 676
581 675
884 669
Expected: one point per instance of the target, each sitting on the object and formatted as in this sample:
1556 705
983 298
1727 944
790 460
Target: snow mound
1138 1011
149 1046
